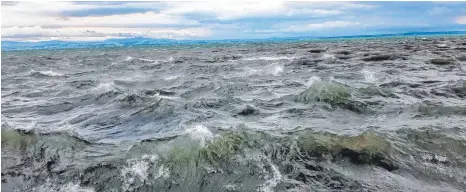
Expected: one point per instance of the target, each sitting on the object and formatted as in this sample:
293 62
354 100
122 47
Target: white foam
250 71
49 73
312 80
19 125
69 187
442 45
129 58
328 56
148 60
157 95
171 77
270 184
230 187
277 70
368 75
138 169
268 58
274 69
105 86
62 127
200 133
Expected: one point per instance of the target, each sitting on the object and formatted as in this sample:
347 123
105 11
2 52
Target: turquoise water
140 41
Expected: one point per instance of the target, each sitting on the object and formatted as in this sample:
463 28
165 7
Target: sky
96 21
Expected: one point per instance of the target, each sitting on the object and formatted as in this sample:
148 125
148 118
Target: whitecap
62 127
368 75
268 58
157 95
251 71
271 183
328 56
105 86
69 187
129 58
274 69
230 187
442 45
147 60
48 73
312 80
51 73
277 70
171 77
137 169
200 133
20 125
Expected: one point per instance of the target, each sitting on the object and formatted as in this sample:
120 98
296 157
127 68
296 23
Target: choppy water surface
360 115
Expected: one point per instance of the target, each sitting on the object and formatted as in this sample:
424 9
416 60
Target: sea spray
278 69
49 186
312 80
369 76
138 172
200 133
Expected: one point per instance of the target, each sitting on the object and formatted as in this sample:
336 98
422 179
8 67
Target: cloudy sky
94 21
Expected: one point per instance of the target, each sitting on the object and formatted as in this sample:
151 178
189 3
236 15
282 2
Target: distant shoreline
147 42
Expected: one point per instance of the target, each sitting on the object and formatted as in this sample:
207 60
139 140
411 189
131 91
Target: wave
369 76
129 58
50 186
171 77
138 171
324 91
327 56
84 84
278 69
276 162
200 133
48 73
274 69
268 58
147 60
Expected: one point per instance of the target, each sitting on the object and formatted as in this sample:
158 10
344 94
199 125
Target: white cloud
83 39
313 12
45 8
127 20
44 20
319 26
51 20
461 20
349 5
240 9
92 33
261 31
330 5
226 10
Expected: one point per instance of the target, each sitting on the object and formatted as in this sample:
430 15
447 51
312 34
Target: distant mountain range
141 41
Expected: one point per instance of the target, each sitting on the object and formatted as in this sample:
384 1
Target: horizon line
246 39
114 42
